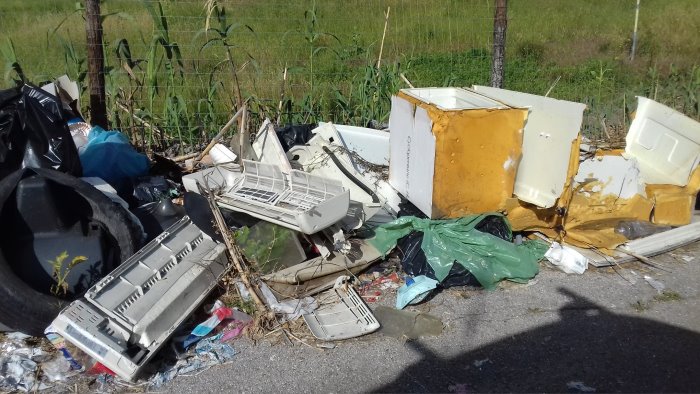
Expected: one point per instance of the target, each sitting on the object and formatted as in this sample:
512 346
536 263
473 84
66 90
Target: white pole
634 34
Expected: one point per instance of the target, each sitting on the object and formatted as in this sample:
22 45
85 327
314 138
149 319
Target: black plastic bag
34 134
298 134
414 263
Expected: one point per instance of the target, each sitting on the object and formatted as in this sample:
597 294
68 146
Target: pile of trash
111 256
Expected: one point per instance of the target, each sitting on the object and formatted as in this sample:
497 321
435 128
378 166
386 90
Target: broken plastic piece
370 144
220 154
552 126
305 203
268 148
342 314
665 142
127 316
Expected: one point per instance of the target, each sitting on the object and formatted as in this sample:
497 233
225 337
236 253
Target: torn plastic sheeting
219 313
290 309
110 156
414 263
33 132
489 258
19 364
208 352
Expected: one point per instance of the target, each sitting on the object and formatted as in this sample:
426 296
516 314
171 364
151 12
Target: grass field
330 49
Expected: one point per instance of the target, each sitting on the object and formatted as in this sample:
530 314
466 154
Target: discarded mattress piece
446 242
665 142
454 151
126 317
552 126
298 200
342 314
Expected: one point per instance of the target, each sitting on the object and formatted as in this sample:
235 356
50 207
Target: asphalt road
607 330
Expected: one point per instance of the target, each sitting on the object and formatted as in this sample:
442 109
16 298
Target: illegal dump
138 268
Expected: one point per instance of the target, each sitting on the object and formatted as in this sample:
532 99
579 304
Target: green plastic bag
489 258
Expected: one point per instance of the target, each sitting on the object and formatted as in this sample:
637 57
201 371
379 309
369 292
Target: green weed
667 296
59 272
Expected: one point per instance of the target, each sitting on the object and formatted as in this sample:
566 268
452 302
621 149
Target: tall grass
171 77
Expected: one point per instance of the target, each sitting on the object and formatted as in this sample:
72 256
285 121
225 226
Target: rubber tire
27 310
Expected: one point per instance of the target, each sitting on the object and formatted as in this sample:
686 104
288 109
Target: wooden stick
233 250
556 81
381 47
643 259
242 132
138 119
221 133
406 80
185 157
279 106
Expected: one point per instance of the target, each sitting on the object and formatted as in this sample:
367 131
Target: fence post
95 58
500 22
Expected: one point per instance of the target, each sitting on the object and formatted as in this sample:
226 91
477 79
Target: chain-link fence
177 69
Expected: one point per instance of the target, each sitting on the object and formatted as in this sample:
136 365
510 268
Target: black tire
21 307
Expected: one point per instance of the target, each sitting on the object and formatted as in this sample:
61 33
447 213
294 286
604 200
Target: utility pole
500 22
96 62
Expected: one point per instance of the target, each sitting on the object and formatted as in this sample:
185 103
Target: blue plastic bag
110 156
